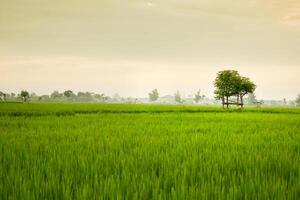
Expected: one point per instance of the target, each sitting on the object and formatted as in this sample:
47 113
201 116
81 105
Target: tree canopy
229 83
69 93
177 97
24 95
198 96
153 95
2 96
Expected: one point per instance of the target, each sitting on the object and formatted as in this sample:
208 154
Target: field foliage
106 151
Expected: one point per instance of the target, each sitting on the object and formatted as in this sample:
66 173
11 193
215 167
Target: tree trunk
227 102
223 102
237 100
242 103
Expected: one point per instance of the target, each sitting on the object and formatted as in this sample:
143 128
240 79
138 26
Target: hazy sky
133 46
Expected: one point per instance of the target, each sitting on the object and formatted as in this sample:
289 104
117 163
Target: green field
90 151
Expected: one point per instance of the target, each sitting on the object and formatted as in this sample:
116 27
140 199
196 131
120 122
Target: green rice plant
103 151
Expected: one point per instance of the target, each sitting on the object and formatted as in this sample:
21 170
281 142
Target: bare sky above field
133 46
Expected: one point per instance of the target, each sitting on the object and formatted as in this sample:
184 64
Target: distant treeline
71 96
231 89
153 97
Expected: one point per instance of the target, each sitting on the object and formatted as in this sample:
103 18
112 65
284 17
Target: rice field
105 151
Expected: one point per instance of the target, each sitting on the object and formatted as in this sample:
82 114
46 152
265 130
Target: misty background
131 47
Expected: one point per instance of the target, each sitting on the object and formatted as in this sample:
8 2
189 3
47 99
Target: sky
133 46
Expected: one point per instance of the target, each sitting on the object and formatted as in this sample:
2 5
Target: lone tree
24 95
298 101
198 97
153 95
229 83
226 85
177 97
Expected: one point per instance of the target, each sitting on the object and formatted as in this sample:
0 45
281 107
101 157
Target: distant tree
33 95
2 96
261 102
116 97
298 101
252 99
153 95
177 97
88 94
24 95
84 94
44 97
69 93
80 94
55 95
101 97
129 100
136 100
198 96
284 101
